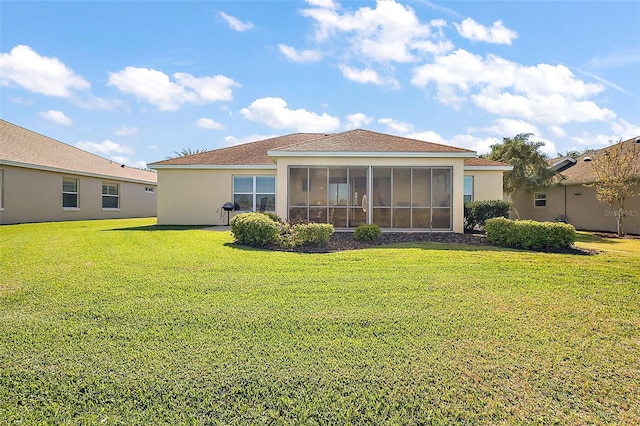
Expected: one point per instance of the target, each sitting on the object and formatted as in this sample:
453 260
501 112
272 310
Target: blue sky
136 81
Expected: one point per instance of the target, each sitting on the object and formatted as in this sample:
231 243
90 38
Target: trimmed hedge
367 232
254 229
312 234
529 234
476 213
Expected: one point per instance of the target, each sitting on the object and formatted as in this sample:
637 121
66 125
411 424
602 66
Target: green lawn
122 322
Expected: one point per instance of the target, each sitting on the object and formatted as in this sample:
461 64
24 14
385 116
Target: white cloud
474 143
364 76
130 163
541 93
306 56
207 123
616 59
46 75
105 147
57 117
126 131
507 127
386 33
232 140
21 100
557 131
157 88
235 23
625 130
274 113
327 4
357 120
427 136
154 147
498 33
397 127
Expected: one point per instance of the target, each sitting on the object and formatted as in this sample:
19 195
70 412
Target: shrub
254 229
368 233
476 213
274 217
529 234
312 234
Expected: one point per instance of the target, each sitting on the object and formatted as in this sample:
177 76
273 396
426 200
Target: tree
530 167
617 169
188 151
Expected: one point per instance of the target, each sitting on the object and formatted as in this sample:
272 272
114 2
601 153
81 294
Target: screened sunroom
400 198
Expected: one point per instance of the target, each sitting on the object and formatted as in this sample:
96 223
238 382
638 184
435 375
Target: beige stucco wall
456 163
487 184
31 195
583 210
196 196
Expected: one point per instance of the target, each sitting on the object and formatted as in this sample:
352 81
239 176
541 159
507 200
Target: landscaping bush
312 234
529 234
368 233
254 229
476 213
274 217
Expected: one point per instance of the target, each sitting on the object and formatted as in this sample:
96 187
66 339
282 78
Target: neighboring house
346 179
571 201
42 180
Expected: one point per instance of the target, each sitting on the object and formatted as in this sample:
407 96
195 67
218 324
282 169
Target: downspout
566 218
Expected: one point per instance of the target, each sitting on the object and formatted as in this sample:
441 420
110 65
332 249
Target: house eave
74 172
354 154
214 166
495 168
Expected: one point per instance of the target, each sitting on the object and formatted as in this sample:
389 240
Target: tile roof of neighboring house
582 171
22 147
257 153
253 153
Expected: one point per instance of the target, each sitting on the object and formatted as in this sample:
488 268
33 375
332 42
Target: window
110 196
255 193
468 189
540 199
70 193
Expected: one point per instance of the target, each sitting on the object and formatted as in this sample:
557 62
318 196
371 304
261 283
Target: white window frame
116 195
464 194
254 193
76 193
539 199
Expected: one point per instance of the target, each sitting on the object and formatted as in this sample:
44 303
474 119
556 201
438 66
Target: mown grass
123 322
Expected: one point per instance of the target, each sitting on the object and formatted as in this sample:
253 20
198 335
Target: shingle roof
257 153
582 171
253 153
367 141
19 146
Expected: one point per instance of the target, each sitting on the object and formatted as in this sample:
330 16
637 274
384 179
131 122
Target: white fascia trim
73 172
214 166
500 168
372 154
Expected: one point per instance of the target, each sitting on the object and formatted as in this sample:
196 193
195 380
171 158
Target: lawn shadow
584 237
576 251
161 228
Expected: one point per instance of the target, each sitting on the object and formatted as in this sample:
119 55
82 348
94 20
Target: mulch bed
341 241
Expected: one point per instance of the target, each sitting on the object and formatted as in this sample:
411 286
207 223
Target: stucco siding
582 209
195 197
487 184
32 195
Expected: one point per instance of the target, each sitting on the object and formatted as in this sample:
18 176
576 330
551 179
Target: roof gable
25 148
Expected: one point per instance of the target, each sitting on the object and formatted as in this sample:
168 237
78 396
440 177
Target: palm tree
188 151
